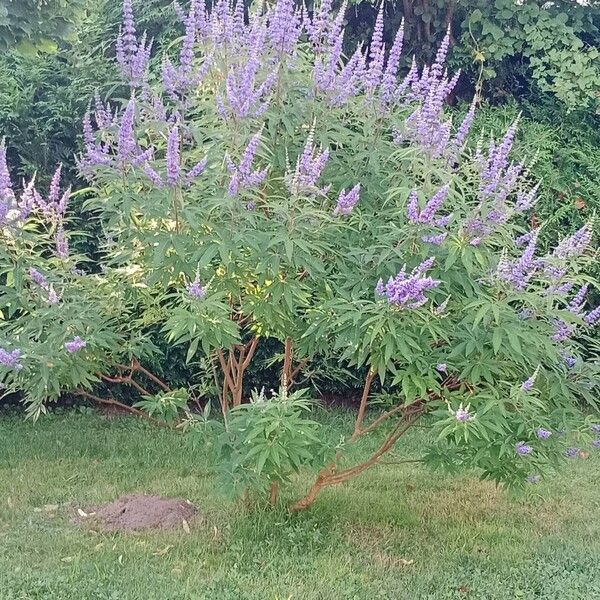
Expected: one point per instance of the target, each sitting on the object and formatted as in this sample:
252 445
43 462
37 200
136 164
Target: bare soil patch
138 512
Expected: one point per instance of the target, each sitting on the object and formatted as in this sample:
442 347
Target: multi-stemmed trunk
233 367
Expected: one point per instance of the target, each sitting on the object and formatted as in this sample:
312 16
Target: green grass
397 532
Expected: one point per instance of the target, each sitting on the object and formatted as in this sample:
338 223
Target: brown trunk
233 368
273 492
286 373
363 405
329 476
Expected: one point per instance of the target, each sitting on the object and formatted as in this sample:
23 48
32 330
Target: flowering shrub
260 186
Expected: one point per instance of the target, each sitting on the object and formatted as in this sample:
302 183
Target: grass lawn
396 532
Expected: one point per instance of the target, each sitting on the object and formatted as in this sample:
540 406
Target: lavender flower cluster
309 166
133 57
12 211
243 175
51 208
408 291
10 359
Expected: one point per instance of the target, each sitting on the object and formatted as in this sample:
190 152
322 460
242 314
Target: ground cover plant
258 186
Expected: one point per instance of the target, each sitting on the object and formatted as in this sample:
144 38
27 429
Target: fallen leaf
120 559
463 589
82 513
583 454
9 502
185 525
67 559
51 507
98 546
162 551
580 204
406 563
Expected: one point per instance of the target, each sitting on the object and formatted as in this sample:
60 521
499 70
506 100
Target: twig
111 402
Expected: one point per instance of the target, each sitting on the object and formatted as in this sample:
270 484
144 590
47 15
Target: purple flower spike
153 176
390 75
181 80
427 215
173 157
592 317
75 345
433 205
436 240
196 171
572 452
528 384
126 143
441 368
10 359
543 434
522 449
462 415
595 428
412 207
576 304
575 244
195 290
309 167
463 131
562 330
526 201
53 297
347 201
242 175
284 27
408 291
376 54
533 479
61 243
7 196
132 57
596 443
38 278
519 272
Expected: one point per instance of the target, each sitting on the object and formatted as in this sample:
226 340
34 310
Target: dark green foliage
33 26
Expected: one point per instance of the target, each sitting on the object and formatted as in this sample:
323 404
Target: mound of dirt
136 512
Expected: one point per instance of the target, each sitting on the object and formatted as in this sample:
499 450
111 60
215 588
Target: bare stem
111 402
273 492
330 476
363 405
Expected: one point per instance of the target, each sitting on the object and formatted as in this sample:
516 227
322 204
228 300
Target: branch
363 404
225 368
251 350
297 370
111 402
138 367
128 380
328 476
